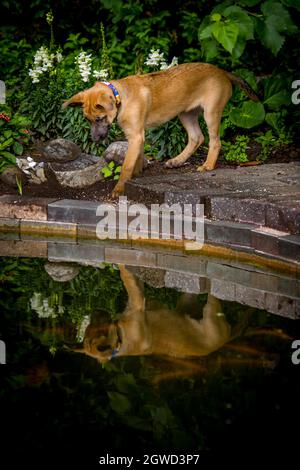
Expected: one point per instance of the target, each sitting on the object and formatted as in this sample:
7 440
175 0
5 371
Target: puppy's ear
76 100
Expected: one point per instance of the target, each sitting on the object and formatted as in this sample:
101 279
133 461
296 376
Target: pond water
107 358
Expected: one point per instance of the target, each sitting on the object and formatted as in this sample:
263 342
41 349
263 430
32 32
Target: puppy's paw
174 163
118 190
204 167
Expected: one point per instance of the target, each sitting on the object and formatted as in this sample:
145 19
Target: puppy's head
99 107
102 342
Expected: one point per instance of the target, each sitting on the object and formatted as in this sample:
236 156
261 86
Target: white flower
42 62
155 58
29 159
59 56
41 306
100 74
84 62
82 328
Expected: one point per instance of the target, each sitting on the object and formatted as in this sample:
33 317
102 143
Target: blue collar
115 92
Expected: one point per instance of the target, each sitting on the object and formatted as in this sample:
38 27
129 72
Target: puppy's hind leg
190 122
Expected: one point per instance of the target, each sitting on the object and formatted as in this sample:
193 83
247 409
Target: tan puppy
142 101
154 329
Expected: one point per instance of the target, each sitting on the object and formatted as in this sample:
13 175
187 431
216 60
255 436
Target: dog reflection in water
151 328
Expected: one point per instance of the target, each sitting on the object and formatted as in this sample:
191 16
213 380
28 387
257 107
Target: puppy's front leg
135 148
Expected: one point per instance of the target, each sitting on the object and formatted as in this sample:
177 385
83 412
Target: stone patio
267 195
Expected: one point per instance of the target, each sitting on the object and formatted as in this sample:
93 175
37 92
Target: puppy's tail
241 83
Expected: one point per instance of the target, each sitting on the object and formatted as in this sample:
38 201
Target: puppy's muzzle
99 131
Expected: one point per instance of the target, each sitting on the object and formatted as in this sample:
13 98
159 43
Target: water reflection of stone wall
231 280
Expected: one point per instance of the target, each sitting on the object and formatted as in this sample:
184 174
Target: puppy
141 101
154 329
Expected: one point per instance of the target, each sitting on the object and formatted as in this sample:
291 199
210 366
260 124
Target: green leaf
106 172
276 92
206 32
111 164
216 17
242 20
270 36
249 115
210 49
239 48
274 120
18 148
119 402
6 143
292 4
8 156
226 34
278 16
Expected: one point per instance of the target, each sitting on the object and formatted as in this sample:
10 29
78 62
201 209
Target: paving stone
26 249
24 207
223 290
284 216
236 209
265 240
69 210
264 282
289 287
83 254
297 309
289 247
228 273
251 297
281 305
130 257
189 283
228 232
189 264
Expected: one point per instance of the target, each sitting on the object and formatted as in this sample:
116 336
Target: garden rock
10 174
116 152
80 173
59 150
61 272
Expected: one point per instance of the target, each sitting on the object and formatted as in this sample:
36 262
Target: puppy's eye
99 106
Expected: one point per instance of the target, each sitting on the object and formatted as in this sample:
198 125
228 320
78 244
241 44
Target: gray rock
116 152
80 173
10 174
59 150
61 272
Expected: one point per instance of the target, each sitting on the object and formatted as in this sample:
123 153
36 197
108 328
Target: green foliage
231 27
269 141
237 151
13 137
167 140
111 170
255 39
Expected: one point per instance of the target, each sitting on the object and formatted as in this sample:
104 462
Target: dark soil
102 190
